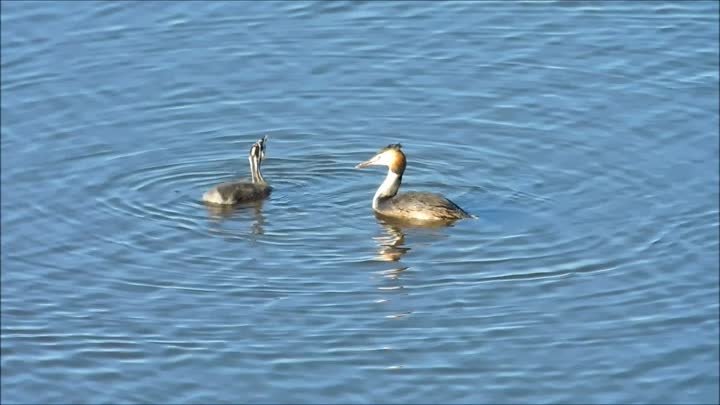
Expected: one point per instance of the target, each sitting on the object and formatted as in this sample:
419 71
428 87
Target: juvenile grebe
414 205
242 191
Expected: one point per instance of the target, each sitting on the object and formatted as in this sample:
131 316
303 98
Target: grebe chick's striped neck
419 206
255 157
235 192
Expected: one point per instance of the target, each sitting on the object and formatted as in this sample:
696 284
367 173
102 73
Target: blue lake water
583 135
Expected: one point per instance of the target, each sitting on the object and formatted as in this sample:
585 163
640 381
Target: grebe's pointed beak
371 162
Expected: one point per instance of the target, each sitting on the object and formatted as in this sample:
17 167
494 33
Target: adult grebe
242 191
411 206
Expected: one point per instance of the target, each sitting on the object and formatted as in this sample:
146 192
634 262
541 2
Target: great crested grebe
415 206
242 191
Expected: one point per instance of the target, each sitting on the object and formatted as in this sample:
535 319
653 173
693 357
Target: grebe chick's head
257 151
391 156
256 156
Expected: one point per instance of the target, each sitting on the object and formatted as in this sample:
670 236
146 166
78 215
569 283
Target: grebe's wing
439 206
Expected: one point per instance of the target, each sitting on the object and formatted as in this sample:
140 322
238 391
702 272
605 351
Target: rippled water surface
584 136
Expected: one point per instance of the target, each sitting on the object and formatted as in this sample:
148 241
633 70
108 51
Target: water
584 135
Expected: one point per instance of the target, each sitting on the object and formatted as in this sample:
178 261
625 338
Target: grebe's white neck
388 188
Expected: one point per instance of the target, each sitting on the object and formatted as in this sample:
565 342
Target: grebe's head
391 156
257 152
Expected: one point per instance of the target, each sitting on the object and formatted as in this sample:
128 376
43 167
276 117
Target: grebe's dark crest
235 192
415 206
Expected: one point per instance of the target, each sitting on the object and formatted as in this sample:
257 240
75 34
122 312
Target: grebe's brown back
235 192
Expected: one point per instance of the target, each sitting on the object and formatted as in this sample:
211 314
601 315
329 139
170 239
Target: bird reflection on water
391 245
218 213
391 248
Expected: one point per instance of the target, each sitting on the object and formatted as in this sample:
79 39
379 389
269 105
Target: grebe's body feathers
421 206
237 192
